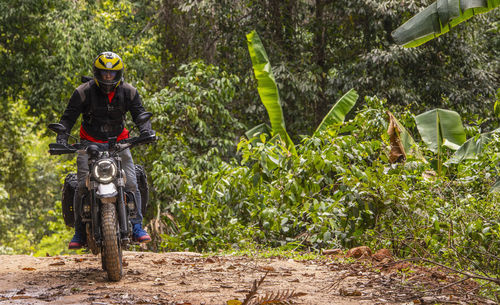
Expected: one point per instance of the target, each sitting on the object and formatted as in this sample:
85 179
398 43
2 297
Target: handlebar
61 149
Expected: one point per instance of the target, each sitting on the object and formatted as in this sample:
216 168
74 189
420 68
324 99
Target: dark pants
130 185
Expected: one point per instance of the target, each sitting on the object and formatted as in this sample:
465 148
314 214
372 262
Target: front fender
106 190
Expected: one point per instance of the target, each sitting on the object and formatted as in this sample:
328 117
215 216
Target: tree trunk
319 53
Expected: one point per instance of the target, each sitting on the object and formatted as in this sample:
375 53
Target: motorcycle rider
103 103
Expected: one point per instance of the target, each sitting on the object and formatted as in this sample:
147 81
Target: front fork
96 219
122 216
122 210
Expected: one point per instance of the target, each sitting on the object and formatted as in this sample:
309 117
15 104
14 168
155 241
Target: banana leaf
402 143
440 127
438 18
267 88
339 110
496 186
257 130
471 148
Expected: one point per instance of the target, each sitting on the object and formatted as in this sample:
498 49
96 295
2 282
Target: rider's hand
147 133
62 139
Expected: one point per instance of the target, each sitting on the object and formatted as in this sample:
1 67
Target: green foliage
196 130
54 241
339 190
33 188
321 49
47 46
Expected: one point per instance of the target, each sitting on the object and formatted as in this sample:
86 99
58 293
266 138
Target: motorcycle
106 207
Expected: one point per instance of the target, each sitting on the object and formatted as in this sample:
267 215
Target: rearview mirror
143 117
57 128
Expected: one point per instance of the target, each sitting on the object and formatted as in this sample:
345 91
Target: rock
382 254
438 275
358 252
332 251
349 292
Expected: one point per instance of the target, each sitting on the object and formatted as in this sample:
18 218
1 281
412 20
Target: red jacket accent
85 136
111 95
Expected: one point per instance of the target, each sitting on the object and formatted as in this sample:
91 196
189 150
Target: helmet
108 71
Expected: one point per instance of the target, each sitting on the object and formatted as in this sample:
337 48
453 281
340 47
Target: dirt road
190 278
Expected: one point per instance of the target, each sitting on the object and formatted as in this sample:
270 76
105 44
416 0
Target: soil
191 278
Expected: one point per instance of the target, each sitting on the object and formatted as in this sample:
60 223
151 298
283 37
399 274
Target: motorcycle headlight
105 171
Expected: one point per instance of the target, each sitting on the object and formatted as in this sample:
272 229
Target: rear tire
111 249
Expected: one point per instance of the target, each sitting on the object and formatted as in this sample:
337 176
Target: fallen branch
466 273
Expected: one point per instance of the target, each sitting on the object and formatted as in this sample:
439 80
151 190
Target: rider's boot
79 239
139 234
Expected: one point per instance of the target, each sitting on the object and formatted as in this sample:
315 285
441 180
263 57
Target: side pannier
142 183
69 188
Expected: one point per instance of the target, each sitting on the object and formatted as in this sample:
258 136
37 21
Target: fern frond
253 291
283 297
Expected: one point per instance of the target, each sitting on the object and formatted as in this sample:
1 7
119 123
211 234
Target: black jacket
102 119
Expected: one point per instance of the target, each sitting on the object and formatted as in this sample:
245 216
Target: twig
469 274
337 282
306 236
469 260
446 286
154 21
468 294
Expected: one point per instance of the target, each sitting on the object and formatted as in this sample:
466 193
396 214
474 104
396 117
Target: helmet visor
108 75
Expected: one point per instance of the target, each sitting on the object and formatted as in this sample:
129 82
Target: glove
145 128
147 133
62 139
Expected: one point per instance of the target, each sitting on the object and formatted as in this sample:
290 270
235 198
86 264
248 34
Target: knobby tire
111 250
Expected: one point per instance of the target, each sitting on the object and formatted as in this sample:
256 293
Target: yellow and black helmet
108 71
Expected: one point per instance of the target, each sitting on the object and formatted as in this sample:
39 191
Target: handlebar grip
147 140
60 149
141 140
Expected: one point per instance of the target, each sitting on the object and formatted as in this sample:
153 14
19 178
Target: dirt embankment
190 278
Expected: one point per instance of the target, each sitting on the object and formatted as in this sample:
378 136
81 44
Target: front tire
111 249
